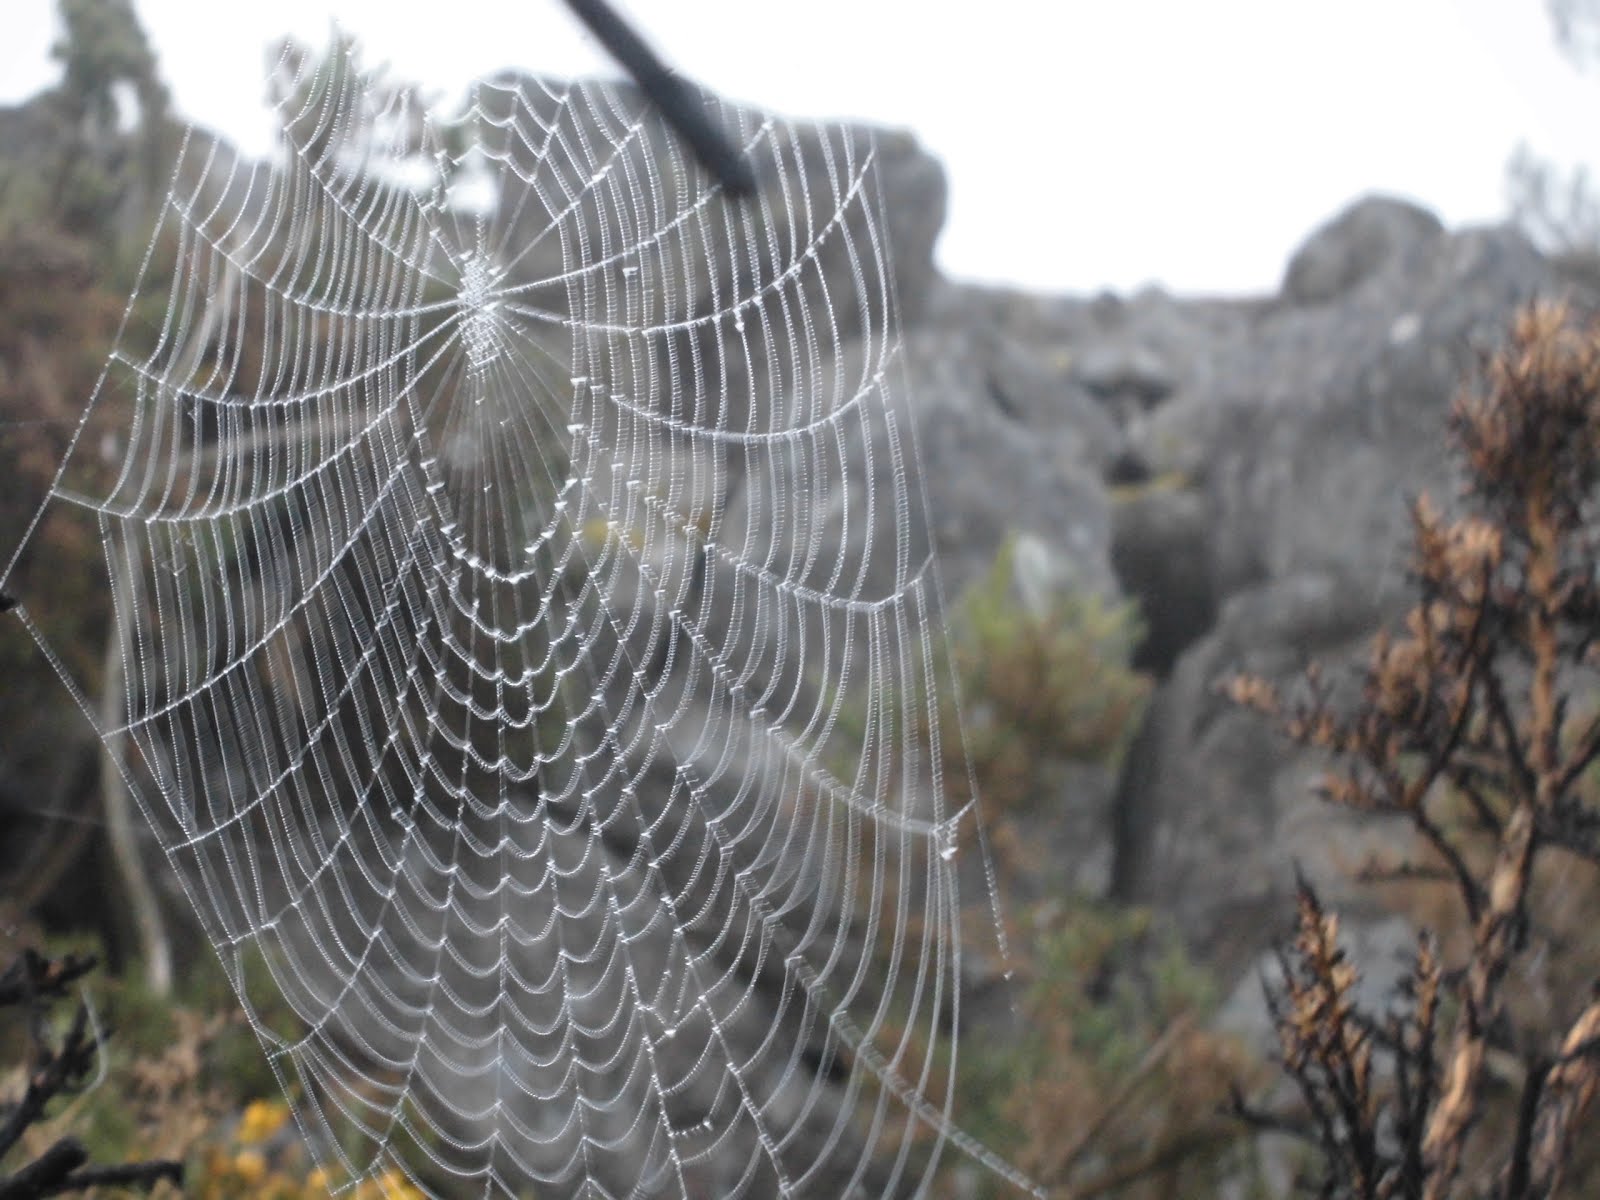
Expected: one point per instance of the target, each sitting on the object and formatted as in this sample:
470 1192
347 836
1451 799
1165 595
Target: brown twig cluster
1478 723
58 1067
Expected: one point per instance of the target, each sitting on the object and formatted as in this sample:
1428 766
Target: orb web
531 655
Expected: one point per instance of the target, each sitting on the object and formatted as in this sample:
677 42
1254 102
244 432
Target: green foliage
1037 685
184 1077
1113 1085
104 46
99 154
1059 679
1029 687
1111 1081
61 301
1108 1045
56 325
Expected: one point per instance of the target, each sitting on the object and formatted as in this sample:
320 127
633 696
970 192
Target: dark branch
44 1175
33 983
34 977
680 102
142 1175
56 1072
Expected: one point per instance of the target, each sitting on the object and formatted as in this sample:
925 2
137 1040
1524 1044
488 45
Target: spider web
531 653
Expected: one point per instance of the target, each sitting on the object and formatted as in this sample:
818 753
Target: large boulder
1372 235
1310 428
1309 436
1257 460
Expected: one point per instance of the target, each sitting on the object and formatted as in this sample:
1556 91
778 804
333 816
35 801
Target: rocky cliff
1243 469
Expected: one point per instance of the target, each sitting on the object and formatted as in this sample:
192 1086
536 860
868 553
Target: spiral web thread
531 648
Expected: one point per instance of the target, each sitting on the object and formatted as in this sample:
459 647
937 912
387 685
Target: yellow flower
250 1166
262 1119
396 1186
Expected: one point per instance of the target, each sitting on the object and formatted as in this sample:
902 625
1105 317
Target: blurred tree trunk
155 949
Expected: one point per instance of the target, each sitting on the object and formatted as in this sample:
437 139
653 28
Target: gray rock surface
1244 468
1214 811
1374 235
1309 434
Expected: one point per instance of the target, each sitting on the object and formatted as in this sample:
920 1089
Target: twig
34 977
1569 1088
33 982
679 101
44 1174
57 1071
56 1173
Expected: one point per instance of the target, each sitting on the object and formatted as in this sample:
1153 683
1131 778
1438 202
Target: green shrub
1036 686
1115 1086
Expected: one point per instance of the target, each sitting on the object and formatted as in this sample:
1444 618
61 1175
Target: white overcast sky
1190 143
